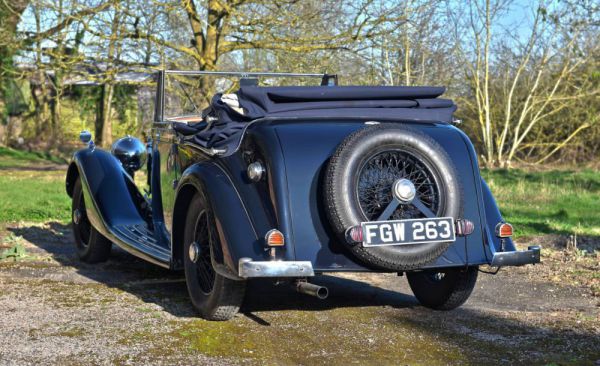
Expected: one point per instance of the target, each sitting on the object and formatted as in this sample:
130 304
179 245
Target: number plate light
354 234
464 227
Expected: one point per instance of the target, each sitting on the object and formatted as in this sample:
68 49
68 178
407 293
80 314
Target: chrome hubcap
439 276
194 252
76 216
404 190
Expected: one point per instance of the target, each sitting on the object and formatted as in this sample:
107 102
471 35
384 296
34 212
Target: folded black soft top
410 103
259 102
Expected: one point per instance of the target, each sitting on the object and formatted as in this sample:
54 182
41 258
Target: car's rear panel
296 154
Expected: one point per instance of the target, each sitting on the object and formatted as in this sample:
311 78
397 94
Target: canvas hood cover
409 103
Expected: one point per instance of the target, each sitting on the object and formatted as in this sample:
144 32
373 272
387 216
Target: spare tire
358 187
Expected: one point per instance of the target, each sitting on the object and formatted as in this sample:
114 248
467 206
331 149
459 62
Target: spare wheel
359 181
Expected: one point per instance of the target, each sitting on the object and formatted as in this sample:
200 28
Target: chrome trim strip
208 151
252 269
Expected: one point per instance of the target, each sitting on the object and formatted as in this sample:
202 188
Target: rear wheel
92 247
214 296
443 289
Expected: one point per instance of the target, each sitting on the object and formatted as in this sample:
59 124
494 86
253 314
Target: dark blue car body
295 151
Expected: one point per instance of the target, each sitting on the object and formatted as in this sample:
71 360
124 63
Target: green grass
16 158
36 196
29 192
549 202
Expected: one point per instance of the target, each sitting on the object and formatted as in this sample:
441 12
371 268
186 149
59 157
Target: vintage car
290 182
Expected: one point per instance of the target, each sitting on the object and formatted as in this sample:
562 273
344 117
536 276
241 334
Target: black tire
215 297
92 247
443 289
347 182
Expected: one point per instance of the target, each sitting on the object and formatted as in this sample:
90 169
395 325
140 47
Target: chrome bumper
247 268
517 258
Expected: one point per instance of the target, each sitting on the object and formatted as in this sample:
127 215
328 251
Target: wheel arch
182 203
229 211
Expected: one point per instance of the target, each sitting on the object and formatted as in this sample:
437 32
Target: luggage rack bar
326 80
243 74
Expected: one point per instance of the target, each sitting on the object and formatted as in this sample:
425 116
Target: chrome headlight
131 152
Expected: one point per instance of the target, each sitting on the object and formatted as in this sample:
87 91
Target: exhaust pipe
311 289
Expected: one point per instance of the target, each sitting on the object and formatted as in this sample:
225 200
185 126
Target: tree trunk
55 111
107 97
99 117
206 42
10 15
109 83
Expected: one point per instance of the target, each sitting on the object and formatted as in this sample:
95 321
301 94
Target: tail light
274 238
504 230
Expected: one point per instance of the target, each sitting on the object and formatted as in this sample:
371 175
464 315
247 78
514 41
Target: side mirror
85 136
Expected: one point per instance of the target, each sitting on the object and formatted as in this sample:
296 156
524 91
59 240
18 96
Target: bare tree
516 85
222 27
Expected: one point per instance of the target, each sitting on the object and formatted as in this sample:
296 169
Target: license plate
413 231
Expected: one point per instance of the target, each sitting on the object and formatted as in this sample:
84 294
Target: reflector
504 230
274 238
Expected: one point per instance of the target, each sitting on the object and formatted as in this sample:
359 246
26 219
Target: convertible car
291 182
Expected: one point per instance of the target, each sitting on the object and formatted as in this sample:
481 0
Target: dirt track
56 310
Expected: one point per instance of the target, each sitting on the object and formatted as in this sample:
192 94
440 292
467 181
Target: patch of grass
347 336
16 251
18 158
71 332
550 202
35 196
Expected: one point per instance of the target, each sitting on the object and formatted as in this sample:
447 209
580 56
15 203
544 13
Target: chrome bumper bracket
517 258
252 269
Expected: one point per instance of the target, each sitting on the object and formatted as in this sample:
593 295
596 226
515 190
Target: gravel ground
57 310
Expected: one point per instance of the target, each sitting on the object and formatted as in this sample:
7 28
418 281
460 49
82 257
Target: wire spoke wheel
215 296
204 270
376 179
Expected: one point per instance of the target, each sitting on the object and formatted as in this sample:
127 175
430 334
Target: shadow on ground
155 284
476 333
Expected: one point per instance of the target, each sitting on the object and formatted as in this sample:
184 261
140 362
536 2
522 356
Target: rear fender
238 238
492 218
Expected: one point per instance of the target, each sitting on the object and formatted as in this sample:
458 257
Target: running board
139 240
